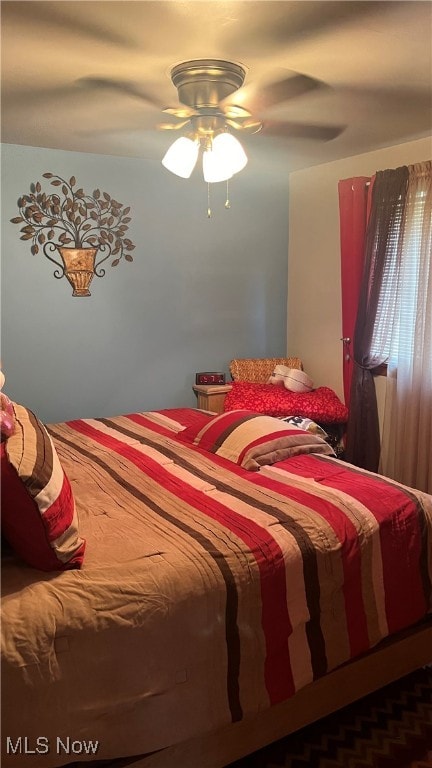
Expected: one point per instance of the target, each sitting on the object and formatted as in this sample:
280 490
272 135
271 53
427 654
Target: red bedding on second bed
322 404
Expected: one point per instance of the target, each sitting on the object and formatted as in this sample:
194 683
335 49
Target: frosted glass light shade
181 157
214 167
230 152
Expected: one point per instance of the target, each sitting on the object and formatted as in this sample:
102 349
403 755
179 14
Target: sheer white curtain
406 451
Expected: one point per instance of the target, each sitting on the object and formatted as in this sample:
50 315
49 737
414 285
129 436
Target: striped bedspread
207 593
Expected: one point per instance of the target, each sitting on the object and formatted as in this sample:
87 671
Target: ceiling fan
213 97
214 103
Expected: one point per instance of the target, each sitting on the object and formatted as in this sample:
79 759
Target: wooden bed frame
389 661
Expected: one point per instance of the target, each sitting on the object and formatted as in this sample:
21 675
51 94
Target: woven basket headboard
259 370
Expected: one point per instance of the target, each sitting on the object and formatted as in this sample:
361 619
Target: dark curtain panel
353 215
383 239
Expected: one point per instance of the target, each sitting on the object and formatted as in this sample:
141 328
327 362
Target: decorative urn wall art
81 228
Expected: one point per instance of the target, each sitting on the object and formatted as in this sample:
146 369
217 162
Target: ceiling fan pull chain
209 212
227 201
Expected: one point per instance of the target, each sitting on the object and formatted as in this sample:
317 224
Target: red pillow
322 404
38 518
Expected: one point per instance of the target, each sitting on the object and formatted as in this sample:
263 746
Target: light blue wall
199 292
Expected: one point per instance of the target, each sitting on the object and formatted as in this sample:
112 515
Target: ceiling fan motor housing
203 83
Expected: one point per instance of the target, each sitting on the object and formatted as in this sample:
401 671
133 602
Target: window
397 305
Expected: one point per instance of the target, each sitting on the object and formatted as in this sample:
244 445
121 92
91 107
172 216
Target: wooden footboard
389 661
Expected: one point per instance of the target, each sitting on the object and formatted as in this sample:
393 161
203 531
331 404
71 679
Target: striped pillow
253 440
38 511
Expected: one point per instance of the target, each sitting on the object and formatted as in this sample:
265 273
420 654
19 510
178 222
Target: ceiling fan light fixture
181 157
202 85
229 152
214 167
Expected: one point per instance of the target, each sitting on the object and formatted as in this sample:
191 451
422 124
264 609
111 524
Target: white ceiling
376 58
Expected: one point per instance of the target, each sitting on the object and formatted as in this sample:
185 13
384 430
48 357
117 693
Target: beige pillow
298 381
278 375
291 378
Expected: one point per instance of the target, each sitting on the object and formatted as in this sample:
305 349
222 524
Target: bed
220 582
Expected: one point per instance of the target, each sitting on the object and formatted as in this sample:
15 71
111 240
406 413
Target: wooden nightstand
211 396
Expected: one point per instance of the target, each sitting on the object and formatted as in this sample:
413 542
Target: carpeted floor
391 728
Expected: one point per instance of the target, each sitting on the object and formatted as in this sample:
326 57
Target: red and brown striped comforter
208 592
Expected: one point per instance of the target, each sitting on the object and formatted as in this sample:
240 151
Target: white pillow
291 378
278 375
298 381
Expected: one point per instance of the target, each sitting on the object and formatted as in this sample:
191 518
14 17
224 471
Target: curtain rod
421 175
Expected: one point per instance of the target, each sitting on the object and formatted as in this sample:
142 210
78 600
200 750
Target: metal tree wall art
80 227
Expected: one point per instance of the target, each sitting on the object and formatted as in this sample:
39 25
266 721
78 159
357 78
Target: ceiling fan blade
259 98
236 113
302 130
54 19
171 126
252 126
123 86
181 112
296 22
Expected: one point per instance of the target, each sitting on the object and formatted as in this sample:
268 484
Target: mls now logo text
41 745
